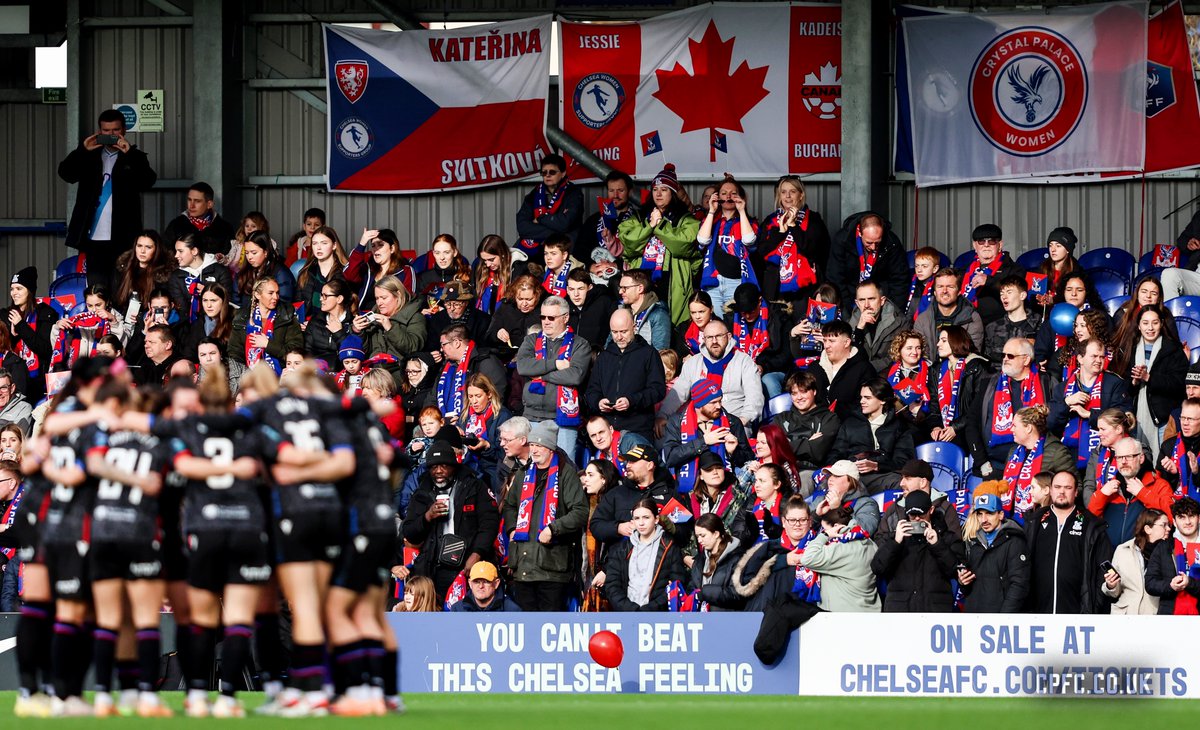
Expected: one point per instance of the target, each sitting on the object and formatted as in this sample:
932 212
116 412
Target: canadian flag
708 89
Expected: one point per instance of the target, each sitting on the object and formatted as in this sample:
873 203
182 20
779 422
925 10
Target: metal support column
864 105
216 117
74 125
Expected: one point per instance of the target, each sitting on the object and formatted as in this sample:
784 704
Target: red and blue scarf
854 534
760 512
1185 487
1185 562
968 289
726 233
925 299
949 384
1003 409
613 454
456 592
1079 433
752 339
689 430
79 338
795 270
1022 464
567 399
544 204
866 259
549 502
10 516
653 257
32 366
911 389
692 338
476 424
1106 466
194 291
490 293
452 383
681 600
723 504
555 283
807 584
715 369
258 326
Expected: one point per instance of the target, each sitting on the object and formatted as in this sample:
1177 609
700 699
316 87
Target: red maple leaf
710 97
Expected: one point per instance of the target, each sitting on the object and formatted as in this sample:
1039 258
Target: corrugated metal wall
1102 214
31 188
288 138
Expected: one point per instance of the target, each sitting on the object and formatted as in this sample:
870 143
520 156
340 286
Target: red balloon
606 649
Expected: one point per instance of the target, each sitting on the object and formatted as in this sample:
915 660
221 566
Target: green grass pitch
485 712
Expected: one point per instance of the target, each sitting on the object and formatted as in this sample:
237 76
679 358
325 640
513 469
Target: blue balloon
1062 319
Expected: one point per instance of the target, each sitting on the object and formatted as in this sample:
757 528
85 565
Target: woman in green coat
662 240
395 328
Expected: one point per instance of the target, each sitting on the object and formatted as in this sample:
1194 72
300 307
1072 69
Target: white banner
1003 96
999 655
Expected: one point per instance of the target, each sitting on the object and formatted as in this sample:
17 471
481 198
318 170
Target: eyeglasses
623 287
327 296
1127 456
548 173
797 521
550 317
988 241
1012 355
715 338
412 372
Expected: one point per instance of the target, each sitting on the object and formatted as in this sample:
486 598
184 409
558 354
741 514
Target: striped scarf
528 494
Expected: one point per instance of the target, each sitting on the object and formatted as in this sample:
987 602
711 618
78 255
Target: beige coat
1131 596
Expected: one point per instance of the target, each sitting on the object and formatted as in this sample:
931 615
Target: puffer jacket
668 566
1001 571
717 590
918 574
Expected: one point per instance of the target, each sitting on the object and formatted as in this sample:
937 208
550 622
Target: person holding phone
112 174
1125 576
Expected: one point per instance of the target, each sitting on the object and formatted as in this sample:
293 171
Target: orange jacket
1155 494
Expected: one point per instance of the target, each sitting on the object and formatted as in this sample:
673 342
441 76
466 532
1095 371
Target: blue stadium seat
1109 284
781 403
1189 335
295 268
948 462
1113 259
67 286
69 265
964 260
1187 308
1031 260
1113 304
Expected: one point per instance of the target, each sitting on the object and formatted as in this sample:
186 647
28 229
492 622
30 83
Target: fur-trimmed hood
747 589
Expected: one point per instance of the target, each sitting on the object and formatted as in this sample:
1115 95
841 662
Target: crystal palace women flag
421 111
1010 95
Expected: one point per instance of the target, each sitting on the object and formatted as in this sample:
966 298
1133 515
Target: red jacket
1155 494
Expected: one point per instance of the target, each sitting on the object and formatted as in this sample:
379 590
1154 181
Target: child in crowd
300 243
351 354
920 294
428 424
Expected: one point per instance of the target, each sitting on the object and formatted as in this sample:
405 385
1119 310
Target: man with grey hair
1019 384
555 363
514 441
544 513
13 406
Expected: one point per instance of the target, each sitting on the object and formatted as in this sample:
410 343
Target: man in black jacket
810 426
201 219
981 280
627 380
108 204
591 307
1067 544
612 521
866 249
449 504
767 343
918 560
